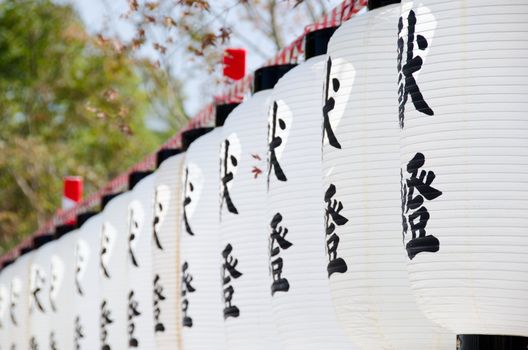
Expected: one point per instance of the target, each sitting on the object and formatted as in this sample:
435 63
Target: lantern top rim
266 77
316 42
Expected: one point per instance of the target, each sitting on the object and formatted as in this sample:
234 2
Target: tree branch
275 31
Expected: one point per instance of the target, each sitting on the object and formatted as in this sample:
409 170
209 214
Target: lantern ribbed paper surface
19 301
244 245
87 289
61 291
201 288
463 161
113 267
5 324
366 266
40 311
140 232
165 248
302 302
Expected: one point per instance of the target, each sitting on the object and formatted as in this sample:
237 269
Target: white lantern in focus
201 288
166 253
139 267
302 303
366 266
463 101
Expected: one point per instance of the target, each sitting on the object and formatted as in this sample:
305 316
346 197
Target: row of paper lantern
354 206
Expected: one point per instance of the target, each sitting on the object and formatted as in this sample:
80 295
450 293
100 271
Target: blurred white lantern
371 291
6 275
201 288
18 300
139 267
302 302
61 288
463 101
165 250
86 285
40 311
113 273
244 249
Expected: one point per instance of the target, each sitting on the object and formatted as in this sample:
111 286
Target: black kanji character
186 288
229 271
407 84
333 217
133 227
415 215
227 177
159 297
329 105
274 142
186 201
278 236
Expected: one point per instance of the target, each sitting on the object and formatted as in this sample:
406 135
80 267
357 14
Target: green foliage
70 105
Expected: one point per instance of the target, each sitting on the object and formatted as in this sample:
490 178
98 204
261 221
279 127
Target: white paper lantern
302 304
139 266
247 313
18 302
40 311
87 288
61 290
366 266
463 100
201 290
113 274
165 250
6 275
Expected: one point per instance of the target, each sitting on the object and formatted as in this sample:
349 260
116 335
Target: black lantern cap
316 42
223 111
40 240
491 342
61 230
136 176
266 77
190 136
7 262
165 153
25 250
107 198
83 217
376 4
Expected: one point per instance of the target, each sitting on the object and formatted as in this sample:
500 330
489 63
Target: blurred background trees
76 101
70 104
